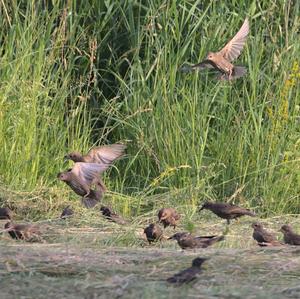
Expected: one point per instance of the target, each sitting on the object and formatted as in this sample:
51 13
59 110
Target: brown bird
105 154
153 232
112 216
66 213
5 213
188 241
27 232
189 274
168 216
263 237
81 178
222 60
226 211
289 236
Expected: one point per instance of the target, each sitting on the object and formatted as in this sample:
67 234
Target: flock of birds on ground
84 179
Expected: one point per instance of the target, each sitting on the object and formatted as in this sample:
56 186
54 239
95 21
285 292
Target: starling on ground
188 241
263 237
188 274
67 212
27 232
222 60
289 236
5 213
226 211
112 216
102 155
153 232
168 217
82 177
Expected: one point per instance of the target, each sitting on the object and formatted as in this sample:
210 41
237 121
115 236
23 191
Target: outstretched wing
106 154
88 172
234 47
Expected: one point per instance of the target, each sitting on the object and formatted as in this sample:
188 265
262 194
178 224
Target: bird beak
171 238
66 158
202 208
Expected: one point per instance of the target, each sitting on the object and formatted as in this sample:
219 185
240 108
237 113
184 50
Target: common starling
112 216
105 154
168 216
263 237
222 60
188 241
189 274
289 236
5 213
153 233
226 211
67 212
27 232
81 177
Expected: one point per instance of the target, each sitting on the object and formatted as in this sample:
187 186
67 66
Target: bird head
210 55
286 228
63 176
178 236
197 262
105 211
206 205
8 225
256 225
163 214
74 156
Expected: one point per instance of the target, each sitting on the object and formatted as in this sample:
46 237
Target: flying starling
188 241
105 154
168 217
5 213
153 233
82 177
26 232
226 211
66 213
222 60
289 236
112 216
189 274
263 237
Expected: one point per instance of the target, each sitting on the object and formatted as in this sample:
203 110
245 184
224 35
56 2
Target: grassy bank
74 75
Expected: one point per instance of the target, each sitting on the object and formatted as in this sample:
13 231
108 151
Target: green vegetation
75 74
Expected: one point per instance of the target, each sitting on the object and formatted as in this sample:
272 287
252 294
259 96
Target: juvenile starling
188 241
168 216
153 232
102 155
67 212
289 236
112 216
5 213
189 274
263 237
81 178
222 60
226 211
27 232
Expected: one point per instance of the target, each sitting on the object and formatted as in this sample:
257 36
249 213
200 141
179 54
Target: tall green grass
77 74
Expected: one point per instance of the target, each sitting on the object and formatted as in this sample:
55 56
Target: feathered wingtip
238 72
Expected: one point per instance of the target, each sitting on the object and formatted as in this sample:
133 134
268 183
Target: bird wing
88 173
204 64
106 154
233 48
183 276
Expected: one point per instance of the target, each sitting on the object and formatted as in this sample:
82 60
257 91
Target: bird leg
228 221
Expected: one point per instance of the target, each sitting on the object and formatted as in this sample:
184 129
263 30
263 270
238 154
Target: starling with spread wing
168 217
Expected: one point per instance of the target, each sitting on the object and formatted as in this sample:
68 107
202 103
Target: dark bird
112 216
289 236
27 232
105 154
81 177
168 217
222 60
226 211
188 241
153 232
263 237
67 212
189 274
5 213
